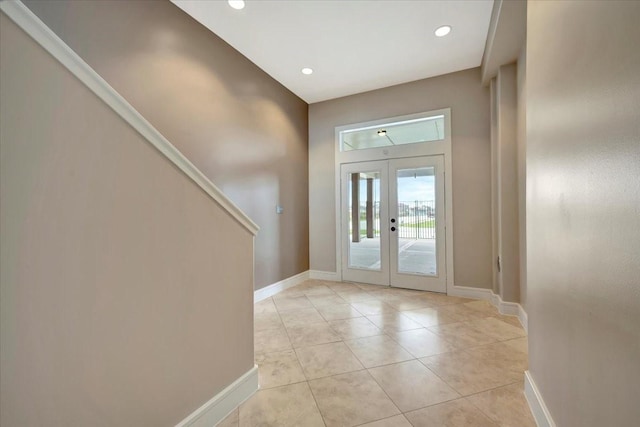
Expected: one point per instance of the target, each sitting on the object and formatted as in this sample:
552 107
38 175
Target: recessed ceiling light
307 71
236 4
382 132
443 31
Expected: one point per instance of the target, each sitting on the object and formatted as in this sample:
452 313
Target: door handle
393 229
393 220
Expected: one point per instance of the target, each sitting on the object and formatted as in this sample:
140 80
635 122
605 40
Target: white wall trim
538 408
504 307
43 35
330 276
271 290
223 403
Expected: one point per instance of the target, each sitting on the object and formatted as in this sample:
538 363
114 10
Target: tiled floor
342 354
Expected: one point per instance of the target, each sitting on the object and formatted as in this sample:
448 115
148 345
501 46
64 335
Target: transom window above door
423 129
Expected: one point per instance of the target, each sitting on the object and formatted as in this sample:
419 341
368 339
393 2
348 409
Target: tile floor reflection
346 354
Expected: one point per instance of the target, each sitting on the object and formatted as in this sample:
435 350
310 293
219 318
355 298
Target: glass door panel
364 220
365 243
416 221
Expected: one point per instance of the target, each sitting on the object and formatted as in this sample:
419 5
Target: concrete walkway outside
415 255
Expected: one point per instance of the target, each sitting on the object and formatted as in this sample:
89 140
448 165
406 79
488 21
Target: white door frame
442 147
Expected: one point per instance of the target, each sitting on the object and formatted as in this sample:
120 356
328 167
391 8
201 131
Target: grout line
384 333
302 368
401 414
480 392
435 404
316 403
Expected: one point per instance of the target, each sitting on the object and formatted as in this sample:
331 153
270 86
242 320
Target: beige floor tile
287 303
327 359
342 286
326 300
373 307
318 290
378 350
497 329
338 312
457 413
458 300
412 386
358 327
442 299
431 317
520 344
315 333
351 399
280 368
462 312
291 405
406 292
232 420
302 317
311 282
355 295
320 331
264 306
468 374
421 342
262 321
502 356
461 335
393 322
371 288
271 340
409 303
384 294
294 292
512 320
483 306
396 421
507 406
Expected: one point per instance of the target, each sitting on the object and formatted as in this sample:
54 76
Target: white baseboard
223 403
524 319
271 290
536 403
324 275
504 307
468 292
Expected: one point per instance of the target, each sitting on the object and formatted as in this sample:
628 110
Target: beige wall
240 127
117 294
522 171
505 178
583 209
469 103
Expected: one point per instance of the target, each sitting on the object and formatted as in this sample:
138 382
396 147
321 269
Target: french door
392 222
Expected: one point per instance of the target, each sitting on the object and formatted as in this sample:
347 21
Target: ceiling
352 46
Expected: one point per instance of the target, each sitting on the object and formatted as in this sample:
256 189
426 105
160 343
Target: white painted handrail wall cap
53 44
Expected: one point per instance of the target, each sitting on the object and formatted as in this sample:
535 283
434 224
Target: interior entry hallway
346 354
